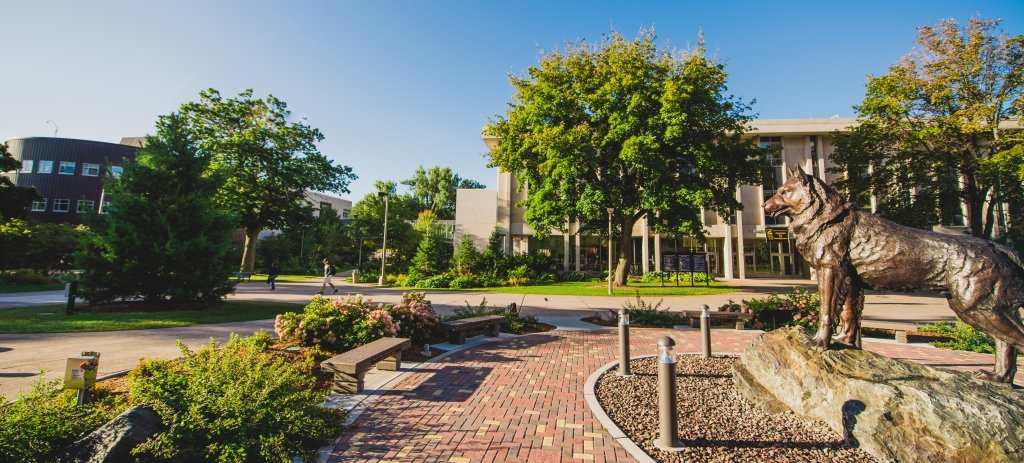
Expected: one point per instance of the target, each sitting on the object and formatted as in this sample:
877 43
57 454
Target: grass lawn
20 288
592 288
51 318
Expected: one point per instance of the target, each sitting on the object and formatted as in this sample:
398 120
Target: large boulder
114 441
894 410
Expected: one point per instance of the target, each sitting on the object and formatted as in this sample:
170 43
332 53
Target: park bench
900 329
350 367
240 275
740 317
456 329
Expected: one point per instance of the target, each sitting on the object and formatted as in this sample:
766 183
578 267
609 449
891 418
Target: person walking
272 276
328 273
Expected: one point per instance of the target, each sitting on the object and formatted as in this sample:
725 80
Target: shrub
39 424
964 337
465 281
803 304
643 313
684 277
436 281
338 324
575 276
414 316
232 404
25 277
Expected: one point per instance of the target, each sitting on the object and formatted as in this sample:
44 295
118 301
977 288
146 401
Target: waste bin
355 276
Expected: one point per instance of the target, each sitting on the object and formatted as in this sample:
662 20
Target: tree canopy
933 130
435 188
14 200
267 159
367 224
164 237
624 125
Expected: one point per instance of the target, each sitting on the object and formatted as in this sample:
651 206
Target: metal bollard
426 350
668 439
624 343
705 330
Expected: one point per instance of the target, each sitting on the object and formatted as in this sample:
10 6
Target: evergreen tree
163 238
14 200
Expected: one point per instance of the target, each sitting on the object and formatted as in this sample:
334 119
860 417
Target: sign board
697 262
80 372
669 262
776 234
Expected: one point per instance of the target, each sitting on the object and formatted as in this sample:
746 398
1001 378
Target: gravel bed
716 424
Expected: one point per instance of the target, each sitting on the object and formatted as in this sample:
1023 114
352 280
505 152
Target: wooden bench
740 317
240 275
350 367
456 329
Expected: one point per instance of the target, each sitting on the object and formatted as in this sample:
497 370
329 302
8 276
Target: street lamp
384 253
610 210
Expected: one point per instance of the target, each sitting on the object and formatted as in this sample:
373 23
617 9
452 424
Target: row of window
65 168
64 205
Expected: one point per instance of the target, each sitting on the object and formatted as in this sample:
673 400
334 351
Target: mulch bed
716 424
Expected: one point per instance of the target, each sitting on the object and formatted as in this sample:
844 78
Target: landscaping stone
114 441
894 410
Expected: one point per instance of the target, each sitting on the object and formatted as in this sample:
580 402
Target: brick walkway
521 400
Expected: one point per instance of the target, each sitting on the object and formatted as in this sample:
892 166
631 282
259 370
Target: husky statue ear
798 172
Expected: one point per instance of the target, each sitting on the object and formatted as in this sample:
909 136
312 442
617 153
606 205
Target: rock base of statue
894 410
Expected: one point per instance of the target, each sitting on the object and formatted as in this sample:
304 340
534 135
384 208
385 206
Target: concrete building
804 142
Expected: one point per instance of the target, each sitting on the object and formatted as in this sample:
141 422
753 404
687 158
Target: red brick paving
521 400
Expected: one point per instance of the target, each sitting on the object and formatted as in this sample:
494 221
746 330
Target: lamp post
384 245
610 210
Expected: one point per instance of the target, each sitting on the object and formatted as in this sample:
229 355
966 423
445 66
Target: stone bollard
668 438
705 330
624 343
426 350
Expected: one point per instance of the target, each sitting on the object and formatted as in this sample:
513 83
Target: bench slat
362 357
474 321
739 315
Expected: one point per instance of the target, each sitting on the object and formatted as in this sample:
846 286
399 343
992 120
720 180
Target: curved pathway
521 400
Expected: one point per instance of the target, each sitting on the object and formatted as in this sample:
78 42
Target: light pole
610 210
55 127
384 253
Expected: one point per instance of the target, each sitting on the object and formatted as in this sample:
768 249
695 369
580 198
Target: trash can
355 276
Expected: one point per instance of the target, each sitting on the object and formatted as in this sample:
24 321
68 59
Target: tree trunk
625 254
974 206
249 253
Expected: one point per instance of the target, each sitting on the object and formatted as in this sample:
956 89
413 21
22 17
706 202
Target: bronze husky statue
853 251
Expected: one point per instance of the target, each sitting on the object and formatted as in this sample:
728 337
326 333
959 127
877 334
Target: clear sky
395 84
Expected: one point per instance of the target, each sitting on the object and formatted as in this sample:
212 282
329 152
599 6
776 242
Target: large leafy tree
624 125
932 128
39 246
164 237
435 189
14 200
268 161
367 225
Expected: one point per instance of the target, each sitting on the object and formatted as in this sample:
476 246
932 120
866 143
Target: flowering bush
343 323
803 304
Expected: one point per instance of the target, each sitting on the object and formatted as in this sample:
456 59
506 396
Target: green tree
38 246
14 200
434 252
623 125
467 258
164 236
368 224
435 188
932 126
268 161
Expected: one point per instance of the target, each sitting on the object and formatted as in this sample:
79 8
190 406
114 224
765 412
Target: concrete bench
740 317
456 329
900 329
350 367
240 275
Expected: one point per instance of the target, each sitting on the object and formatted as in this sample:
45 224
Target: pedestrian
328 273
272 276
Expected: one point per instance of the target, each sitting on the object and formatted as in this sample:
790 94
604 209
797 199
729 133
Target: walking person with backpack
329 271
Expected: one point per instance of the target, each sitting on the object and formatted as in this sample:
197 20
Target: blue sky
396 84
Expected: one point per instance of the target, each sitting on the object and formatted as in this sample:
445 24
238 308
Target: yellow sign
776 234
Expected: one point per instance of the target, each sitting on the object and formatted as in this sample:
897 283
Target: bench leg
493 330
901 336
457 337
348 384
693 322
391 363
739 324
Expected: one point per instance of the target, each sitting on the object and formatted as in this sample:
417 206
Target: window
39 205
66 168
814 156
45 167
772 147
26 166
90 170
106 207
61 205
116 171
85 205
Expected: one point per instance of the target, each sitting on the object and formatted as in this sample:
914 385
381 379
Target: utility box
80 372
355 276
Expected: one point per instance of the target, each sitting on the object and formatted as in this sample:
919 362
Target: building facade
749 247
66 173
